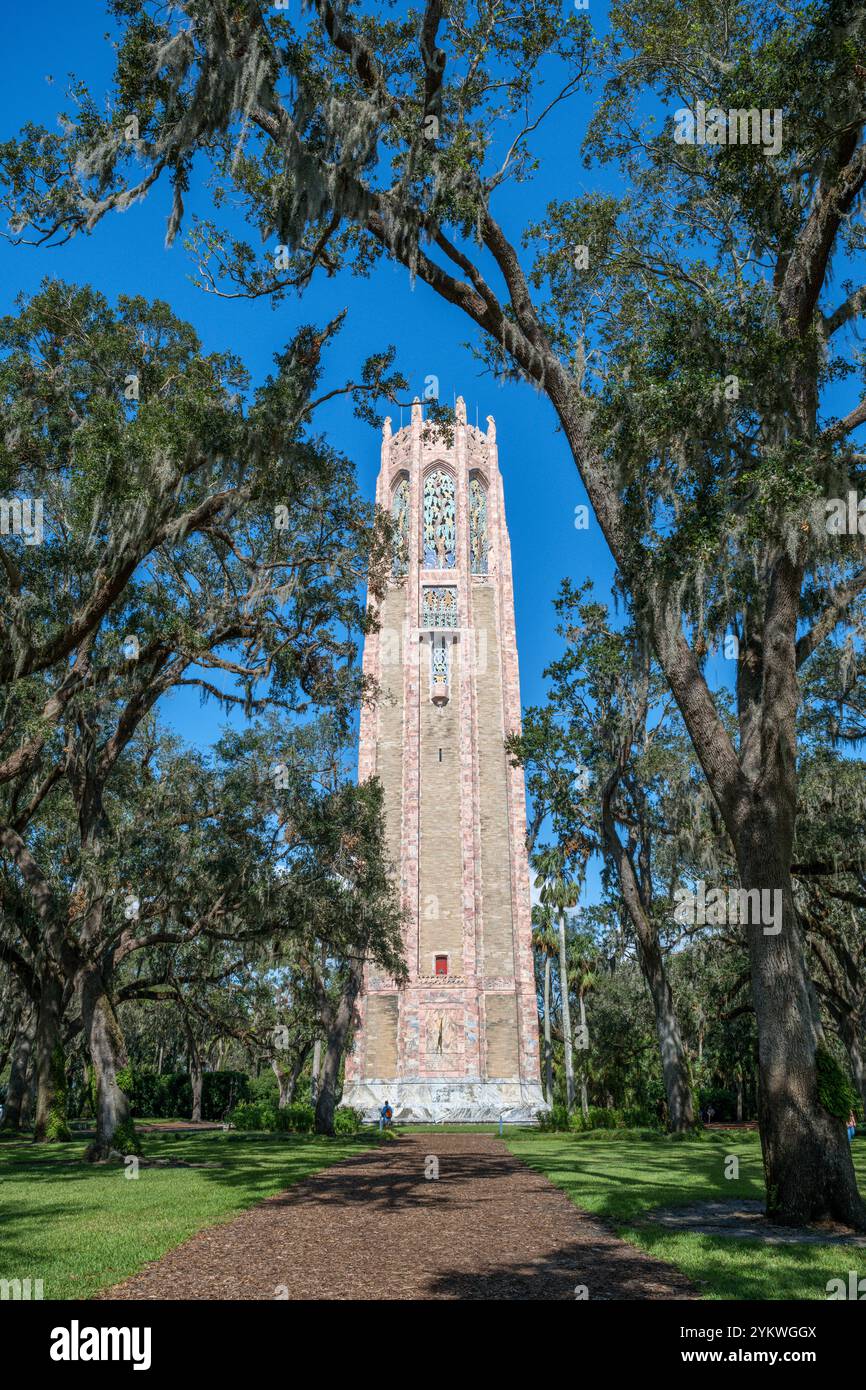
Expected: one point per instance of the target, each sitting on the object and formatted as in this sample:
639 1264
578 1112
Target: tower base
449 1102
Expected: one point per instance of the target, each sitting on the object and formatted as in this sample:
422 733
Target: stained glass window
400 517
440 532
439 607
439 670
477 526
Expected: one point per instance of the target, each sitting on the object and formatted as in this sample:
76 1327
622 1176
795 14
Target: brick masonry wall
498 946
440 916
455 827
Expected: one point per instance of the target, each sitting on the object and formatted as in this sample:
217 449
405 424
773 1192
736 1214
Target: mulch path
374 1227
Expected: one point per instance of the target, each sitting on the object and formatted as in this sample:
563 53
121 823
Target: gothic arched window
478 543
440 529
400 518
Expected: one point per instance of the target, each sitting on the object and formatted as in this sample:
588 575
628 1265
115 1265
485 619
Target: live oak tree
187 541
830 873
341 908
230 870
602 763
685 332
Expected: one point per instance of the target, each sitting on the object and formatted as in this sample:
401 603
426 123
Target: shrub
296 1119
347 1120
556 1118
143 1090
169 1094
292 1119
599 1117
264 1087
641 1117
255 1114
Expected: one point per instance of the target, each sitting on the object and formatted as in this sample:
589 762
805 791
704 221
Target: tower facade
459 1041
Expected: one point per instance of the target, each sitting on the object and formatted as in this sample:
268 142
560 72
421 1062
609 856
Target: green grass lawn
80 1227
620 1179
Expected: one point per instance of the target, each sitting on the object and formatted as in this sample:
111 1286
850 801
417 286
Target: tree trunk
548 1046
807 1157
283 1079
739 1100
584 1098
288 1080
338 1032
317 1066
675 1068
566 1016
22 1049
114 1126
196 1076
807 1161
638 904
50 1123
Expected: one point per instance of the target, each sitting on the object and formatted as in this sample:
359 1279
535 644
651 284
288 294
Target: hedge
169 1094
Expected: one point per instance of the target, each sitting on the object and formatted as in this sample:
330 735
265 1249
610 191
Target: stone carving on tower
459 1040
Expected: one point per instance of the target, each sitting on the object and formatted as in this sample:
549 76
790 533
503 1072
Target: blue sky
126 255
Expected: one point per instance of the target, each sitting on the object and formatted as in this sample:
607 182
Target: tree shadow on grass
586 1269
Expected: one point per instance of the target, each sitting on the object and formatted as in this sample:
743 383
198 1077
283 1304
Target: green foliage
126 1138
254 1115
723 1099
598 1118
264 1087
169 1094
555 1119
298 1118
835 1089
56 1128
221 1091
347 1120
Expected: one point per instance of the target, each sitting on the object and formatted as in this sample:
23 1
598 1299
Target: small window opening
441 961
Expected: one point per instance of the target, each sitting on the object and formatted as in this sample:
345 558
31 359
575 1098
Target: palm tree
560 891
583 976
544 940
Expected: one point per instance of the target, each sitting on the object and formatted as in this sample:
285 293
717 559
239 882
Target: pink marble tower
459 1041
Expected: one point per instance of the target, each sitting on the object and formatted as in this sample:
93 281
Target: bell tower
459 1041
